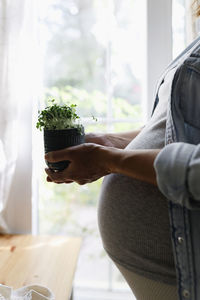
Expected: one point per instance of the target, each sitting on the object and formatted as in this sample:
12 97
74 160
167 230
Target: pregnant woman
133 213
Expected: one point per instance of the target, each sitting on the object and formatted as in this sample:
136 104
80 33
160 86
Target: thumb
59 155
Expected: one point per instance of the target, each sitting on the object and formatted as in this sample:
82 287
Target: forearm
90 161
117 140
138 164
121 140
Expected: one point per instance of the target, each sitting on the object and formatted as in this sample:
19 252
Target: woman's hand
88 162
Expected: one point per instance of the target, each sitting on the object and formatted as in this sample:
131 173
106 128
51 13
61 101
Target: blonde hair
196 7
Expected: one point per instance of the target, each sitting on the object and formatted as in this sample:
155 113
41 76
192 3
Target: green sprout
58 117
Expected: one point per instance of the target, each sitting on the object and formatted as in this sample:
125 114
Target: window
94 55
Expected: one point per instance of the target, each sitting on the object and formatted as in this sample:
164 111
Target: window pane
178 26
120 127
128 48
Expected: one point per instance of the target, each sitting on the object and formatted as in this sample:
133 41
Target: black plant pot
60 139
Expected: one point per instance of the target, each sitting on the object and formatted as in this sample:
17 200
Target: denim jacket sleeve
178 173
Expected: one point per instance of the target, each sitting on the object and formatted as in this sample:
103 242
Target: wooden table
45 260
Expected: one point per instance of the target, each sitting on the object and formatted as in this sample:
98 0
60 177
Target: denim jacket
178 172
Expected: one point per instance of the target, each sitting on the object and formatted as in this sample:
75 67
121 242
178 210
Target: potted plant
61 130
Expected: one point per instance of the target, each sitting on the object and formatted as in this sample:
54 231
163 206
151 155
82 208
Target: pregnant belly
133 221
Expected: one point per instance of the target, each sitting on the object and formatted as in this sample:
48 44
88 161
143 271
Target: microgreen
58 117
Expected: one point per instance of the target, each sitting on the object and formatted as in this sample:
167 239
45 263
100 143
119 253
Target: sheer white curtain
18 54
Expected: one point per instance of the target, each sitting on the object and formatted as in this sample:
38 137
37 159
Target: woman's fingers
54 176
49 179
68 181
58 155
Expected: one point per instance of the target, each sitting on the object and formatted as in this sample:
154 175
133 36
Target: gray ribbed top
133 215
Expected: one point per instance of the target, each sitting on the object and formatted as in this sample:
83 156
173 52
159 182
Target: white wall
158 46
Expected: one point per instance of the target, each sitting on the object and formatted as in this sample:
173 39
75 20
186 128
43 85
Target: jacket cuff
172 167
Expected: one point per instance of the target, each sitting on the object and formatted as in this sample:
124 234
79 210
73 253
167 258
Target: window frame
158 48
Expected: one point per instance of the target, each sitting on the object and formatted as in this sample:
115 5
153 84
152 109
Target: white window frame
158 47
